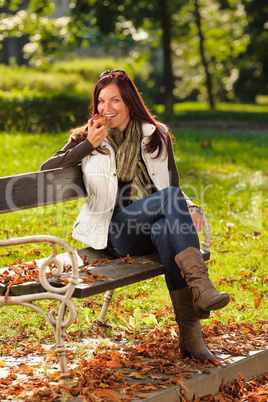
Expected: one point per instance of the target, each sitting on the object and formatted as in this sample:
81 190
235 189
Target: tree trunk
203 56
167 64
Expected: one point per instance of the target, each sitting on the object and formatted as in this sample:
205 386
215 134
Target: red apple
96 117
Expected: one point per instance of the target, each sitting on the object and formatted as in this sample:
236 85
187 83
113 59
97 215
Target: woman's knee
174 200
172 191
174 194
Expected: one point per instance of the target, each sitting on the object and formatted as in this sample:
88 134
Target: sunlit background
205 54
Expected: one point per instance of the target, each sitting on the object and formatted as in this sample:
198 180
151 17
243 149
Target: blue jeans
159 222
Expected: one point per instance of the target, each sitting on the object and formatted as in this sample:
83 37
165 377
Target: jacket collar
147 129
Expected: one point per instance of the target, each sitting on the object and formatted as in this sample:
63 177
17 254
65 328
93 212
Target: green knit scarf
129 167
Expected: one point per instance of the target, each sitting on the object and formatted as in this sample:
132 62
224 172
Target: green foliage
12 5
46 7
86 68
39 112
136 321
74 75
253 77
56 99
38 101
235 34
224 41
24 79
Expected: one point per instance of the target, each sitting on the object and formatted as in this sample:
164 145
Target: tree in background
203 54
168 77
200 41
253 63
47 37
224 38
129 23
211 48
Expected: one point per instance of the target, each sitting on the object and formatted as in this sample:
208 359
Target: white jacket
99 174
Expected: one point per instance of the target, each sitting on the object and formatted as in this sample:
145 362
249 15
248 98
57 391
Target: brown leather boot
190 336
195 272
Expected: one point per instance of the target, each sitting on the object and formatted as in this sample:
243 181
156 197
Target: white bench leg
56 317
107 299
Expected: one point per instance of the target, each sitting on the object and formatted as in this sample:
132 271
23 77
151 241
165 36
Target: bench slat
119 274
90 253
122 274
41 188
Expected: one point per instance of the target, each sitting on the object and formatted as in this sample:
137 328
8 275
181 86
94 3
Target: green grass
225 112
224 171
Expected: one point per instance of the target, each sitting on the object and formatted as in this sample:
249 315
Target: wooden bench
50 187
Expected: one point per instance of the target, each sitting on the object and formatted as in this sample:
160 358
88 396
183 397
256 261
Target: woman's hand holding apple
97 130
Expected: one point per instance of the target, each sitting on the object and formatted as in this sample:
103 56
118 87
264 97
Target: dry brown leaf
107 395
257 302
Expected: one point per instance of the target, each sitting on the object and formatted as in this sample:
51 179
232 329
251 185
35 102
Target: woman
135 204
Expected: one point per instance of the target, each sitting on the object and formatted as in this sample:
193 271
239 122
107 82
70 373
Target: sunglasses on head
114 73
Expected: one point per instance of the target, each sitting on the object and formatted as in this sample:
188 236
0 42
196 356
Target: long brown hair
136 106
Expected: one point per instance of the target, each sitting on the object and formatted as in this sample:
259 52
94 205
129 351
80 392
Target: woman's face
112 106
